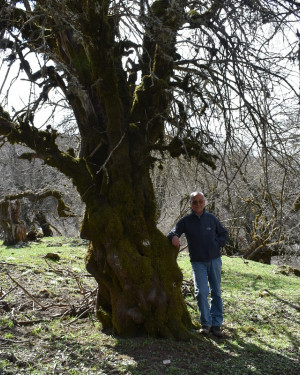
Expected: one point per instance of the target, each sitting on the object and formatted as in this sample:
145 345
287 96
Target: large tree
142 79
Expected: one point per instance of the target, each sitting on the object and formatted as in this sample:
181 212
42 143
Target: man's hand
176 242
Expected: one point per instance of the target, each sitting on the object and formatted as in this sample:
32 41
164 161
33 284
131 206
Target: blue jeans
207 278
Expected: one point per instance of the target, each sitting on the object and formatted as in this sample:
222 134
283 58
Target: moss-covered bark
135 267
133 263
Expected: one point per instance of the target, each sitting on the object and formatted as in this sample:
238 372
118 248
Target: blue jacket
205 235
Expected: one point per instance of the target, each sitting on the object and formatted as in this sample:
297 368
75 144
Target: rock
52 256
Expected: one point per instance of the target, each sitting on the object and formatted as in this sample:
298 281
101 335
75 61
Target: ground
47 322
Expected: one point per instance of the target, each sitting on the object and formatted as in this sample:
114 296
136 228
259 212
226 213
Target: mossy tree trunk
119 123
134 265
132 261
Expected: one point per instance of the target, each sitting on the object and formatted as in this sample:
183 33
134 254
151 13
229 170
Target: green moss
190 148
104 317
85 228
139 267
193 14
71 152
150 98
133 128
159 7
297 203
4 114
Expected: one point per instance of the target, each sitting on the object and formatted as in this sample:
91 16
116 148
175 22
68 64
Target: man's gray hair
194 193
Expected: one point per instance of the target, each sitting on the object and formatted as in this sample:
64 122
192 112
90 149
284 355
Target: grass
261 305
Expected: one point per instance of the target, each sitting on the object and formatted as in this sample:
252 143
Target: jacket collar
193 213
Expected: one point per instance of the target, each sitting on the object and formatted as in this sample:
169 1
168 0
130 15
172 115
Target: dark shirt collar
193 213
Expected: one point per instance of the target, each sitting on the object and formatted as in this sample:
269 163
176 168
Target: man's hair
194 193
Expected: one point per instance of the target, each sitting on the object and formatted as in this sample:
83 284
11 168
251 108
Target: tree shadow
294 306
102 353
205 355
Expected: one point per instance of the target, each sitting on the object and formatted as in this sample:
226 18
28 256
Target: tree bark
133 262
139 290
10 208
14 229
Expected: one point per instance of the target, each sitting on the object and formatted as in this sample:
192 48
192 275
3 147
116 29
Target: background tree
142 79
260 217
10 207
20 175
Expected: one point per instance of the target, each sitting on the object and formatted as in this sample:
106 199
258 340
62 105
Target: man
205 236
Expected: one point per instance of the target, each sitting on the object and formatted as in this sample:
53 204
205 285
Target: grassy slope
261 325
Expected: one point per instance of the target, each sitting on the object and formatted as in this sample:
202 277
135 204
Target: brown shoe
205 330
216 331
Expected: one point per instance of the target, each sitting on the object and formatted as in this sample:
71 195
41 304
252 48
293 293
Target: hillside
47 323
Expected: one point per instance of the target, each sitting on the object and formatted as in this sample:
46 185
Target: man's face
198 204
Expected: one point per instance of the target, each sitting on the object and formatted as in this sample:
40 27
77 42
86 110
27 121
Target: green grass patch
261 325
71 251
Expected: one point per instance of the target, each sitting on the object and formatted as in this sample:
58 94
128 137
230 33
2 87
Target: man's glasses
197 202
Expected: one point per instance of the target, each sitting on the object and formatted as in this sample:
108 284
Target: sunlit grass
71 252
260 304
261 311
